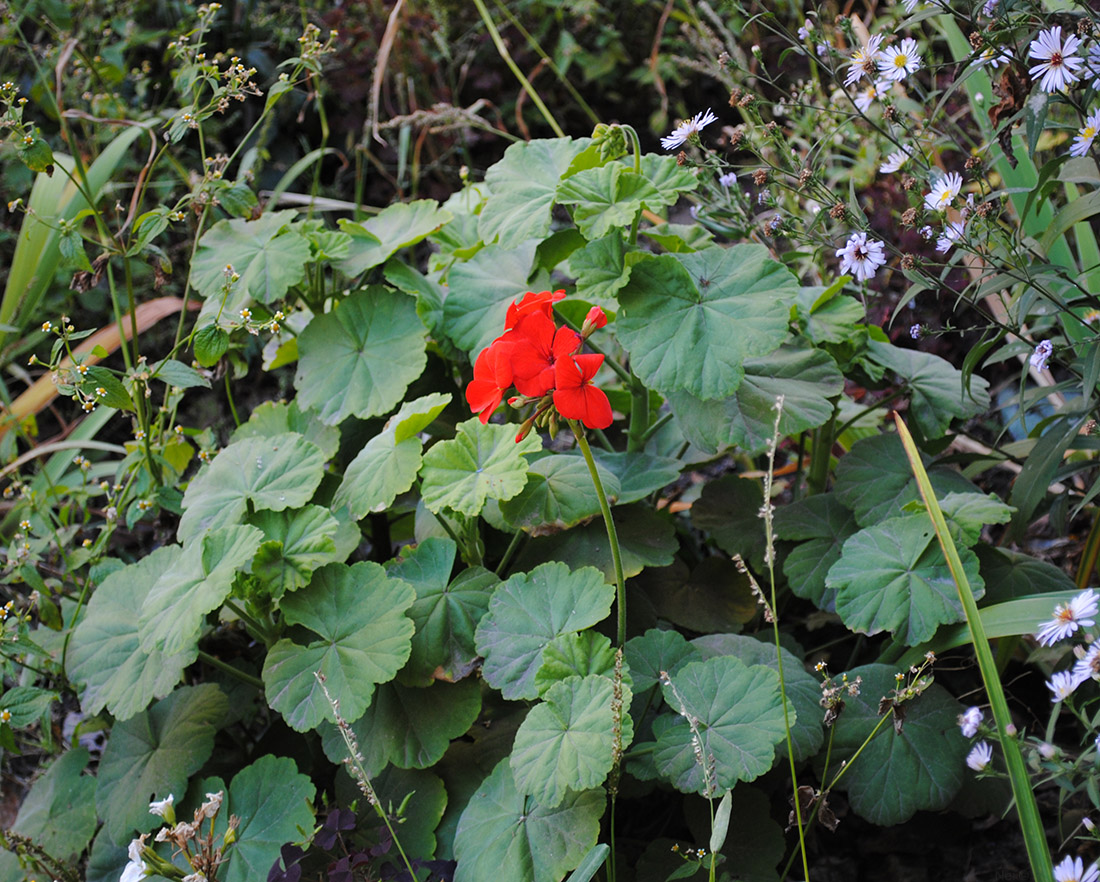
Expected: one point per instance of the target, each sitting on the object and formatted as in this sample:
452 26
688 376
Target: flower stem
612 536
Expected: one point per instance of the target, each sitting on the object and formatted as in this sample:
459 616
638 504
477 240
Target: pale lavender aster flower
804 31
1058 62
969 721
686 129
1061 685
1038 360
994 57
1092 65
897 62
944 192
870 93
990 5
1089 665
864 61
1071 869
980 757
861 257
915 332
952 232
1078 613
927 232
1086 134
727 179
895 160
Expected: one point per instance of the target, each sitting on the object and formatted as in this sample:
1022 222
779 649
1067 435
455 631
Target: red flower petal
529 303
575 397
492 378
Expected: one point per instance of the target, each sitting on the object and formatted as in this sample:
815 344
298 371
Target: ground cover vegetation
620 441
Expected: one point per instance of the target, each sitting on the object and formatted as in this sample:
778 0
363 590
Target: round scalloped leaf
740 720
359 613
480 290
655 651
503 834
823 523
527 612
155 753
397 226
713 597
577 654
359 359
807 378
898 774
296 542
894 577
566 742
481 462
269 257
277 418
173 610
689 321
523 187
274 473
58 812
408 727
558 494
646 539
275 804
670 179
105 654
1009 574
729 509
638 473
606 198
446 612
803 689
600 270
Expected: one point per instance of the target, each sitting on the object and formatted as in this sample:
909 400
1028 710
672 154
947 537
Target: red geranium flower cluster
544 364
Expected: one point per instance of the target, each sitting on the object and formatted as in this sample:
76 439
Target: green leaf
504 835
176 373
668 177
424 798
359 359
558 494
269 473
832 320
105 654
296 542
935 387
600 270
803 689
155 753
359 614
740 720
970 512
646 539
58 813
566 742
388 463
173 610
729 509
446 612
527 612
898 774
806 378
70 245
482 461
211 343
26 704
605 198
37 156
679 237
394 227
410 728
576 655
1009 574
691 320
893 576
822 522
655 651
874 479
523 185
638 473
275 804
269 257
481 289
273 418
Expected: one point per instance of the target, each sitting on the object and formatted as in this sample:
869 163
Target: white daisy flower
897 62
870 93
1058 62
1086 135
910 5
686 129
1062 685
1088 666
969 721
895 160
994 57
861 257
1092 65
980 757
944 192
864 61
950 235
1072 869
1068 617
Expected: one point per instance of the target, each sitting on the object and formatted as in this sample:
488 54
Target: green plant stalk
236 673
819 455
1031 824
612 535
506 55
